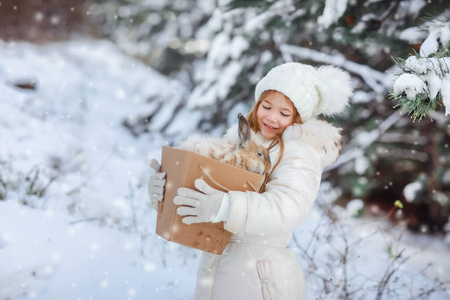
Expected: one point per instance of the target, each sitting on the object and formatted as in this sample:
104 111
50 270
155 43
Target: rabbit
247 154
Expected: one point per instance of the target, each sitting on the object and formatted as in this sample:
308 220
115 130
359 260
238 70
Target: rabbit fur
246 154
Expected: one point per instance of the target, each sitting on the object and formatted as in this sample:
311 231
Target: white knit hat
313 91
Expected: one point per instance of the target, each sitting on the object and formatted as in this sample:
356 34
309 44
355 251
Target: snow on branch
424 83
376 80
332 12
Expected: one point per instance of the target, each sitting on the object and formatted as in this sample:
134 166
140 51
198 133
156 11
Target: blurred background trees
42 20
219 50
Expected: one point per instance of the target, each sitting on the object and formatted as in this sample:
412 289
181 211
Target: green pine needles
419 107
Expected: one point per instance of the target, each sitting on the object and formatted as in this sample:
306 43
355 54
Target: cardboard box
182 169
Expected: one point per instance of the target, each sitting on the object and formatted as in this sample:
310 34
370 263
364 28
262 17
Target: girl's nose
271 117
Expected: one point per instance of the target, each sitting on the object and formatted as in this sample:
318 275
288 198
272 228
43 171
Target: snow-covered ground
75 219
49 255
91 234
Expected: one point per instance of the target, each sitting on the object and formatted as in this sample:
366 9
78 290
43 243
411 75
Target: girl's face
274 114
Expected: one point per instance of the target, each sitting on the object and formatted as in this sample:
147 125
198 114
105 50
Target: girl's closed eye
285 115
265 107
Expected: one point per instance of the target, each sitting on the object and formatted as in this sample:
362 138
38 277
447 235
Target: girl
256 263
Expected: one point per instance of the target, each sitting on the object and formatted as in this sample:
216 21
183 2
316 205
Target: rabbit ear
245 132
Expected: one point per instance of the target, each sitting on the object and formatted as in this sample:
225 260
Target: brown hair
253 122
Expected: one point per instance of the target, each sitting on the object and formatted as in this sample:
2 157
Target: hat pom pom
335 90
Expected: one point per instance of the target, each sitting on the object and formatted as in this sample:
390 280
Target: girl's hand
199 207
156 184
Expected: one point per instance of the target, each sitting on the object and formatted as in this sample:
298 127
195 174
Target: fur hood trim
325 138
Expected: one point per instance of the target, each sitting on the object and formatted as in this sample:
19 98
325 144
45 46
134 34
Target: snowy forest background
91 90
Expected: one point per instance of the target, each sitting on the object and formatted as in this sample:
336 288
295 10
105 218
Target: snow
424 65
75 218
259 21
413 35
361 97
412 8
216 85
445 91
409 84
354 207
441 33
411 189
48 255
238 45
430 45
332 12
434 84
362 163
445 34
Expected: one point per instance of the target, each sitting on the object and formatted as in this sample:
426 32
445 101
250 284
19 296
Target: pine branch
419 107
418 95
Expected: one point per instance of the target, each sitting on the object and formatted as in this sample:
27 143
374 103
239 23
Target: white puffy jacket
256 263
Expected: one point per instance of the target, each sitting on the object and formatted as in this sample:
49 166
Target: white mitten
199 207
156 184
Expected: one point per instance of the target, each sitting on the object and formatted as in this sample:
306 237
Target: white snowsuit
256 264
